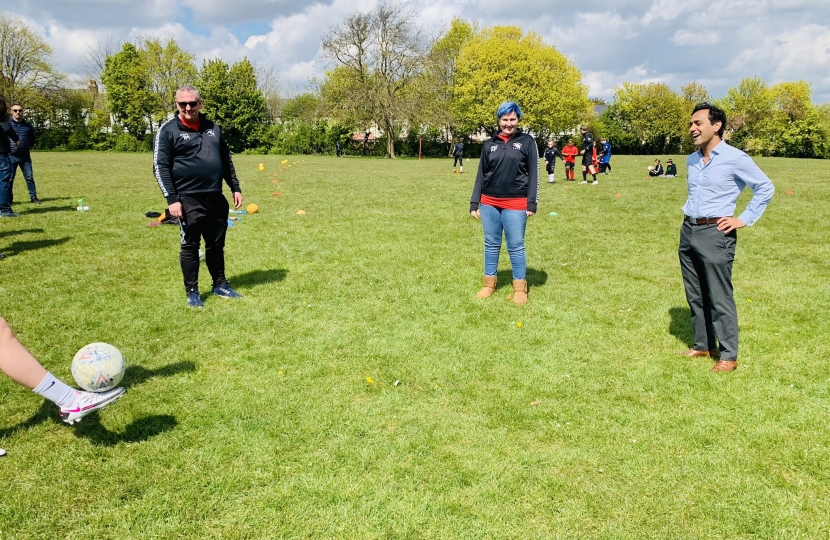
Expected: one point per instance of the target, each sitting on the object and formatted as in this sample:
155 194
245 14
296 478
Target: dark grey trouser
706 256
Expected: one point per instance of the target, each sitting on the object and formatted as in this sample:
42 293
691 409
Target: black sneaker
8 214
35 201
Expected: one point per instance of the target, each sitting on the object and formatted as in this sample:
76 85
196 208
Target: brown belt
701 221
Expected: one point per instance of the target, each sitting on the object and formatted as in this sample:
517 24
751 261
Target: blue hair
508 107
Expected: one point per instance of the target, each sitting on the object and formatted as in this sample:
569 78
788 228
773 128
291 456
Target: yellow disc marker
261 167
252 208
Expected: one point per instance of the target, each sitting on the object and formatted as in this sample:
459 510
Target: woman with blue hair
504 196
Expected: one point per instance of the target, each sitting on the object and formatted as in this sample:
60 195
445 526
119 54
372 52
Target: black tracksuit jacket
186 161
508 170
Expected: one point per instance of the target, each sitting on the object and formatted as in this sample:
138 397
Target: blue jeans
5 183
512 223
25 165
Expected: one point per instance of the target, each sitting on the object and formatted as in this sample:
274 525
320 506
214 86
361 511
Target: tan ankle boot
520 291
489 287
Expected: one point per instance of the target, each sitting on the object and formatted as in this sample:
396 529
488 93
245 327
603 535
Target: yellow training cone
261 167
284 161
300 212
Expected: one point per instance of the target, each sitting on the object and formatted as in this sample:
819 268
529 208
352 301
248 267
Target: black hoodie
508 170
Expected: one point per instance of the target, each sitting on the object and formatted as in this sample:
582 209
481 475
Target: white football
98 367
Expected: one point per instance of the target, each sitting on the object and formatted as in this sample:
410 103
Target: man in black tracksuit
190 160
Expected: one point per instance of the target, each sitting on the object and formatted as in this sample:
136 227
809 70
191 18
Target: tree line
422 92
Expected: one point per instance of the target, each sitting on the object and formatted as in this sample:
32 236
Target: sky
715 42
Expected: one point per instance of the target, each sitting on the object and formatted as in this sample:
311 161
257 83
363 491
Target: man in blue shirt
717 173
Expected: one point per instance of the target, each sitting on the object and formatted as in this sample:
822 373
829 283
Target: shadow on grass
18 247
258 277
535 278
138 374
680 325
48 199
138 431
21 231
90 426
43 210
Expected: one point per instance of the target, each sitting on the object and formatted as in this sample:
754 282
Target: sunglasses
184 104
17 110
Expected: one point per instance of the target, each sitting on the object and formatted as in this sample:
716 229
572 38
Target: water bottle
81 206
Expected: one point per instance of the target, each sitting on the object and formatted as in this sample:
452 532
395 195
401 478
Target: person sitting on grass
656 170
22 368
671 169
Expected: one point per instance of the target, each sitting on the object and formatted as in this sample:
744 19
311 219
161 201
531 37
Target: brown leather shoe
694 353
724 365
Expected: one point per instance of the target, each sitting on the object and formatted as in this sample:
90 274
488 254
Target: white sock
550 178
461 168
55 391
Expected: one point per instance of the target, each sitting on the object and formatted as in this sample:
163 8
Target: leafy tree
652 116
378 57
232 100
502 63
25 67
130 97
305 107
750 111
798 124
438 81
168 68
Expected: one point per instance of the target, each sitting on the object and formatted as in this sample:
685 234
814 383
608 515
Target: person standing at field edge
550 155
569 153
7 137
589 154
20 156
458 156
190 160
605 160
716 175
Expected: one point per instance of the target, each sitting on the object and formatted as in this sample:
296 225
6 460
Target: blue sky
716 42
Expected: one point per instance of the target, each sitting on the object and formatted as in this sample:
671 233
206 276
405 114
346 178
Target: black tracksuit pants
205 216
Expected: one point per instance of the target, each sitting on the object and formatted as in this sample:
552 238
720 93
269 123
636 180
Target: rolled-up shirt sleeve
762 189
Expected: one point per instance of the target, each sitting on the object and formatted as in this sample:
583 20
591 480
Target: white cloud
629 40
669 10
688 37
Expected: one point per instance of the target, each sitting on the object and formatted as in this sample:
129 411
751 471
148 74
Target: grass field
277 416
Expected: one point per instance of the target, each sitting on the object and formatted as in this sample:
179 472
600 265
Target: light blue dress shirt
714 188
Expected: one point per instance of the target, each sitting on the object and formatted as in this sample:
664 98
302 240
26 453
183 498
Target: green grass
254 419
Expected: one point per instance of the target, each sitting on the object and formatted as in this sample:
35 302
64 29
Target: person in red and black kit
504 196
589 154
190 160
569 152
